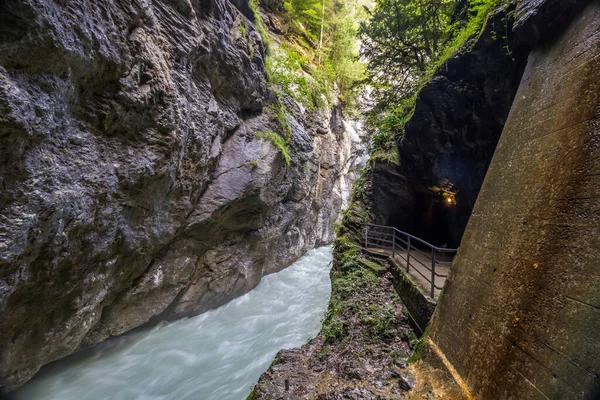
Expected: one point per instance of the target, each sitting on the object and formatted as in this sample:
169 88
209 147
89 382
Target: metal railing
405 244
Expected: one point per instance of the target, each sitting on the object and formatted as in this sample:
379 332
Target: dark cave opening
422 211
431 219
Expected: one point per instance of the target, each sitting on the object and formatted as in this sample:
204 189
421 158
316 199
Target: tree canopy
318 57
400 40
404 42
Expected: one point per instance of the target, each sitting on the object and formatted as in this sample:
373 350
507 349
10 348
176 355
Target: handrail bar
382 233
419 272
403 241
384 240
421 251
379 236
439 249
420 262
402 257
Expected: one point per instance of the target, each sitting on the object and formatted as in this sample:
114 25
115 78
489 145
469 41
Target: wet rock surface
134 186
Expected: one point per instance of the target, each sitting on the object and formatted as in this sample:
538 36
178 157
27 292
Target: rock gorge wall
134 187
520 314
457 122
451 137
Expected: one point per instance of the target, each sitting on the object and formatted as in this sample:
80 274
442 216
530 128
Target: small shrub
285 72
281 116
322 353
418 345
259 23
278 142
332 329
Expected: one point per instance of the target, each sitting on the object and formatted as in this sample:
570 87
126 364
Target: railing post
407 253
393 243
432 273
366 236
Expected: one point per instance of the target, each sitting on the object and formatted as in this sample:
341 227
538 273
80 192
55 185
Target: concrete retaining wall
520 314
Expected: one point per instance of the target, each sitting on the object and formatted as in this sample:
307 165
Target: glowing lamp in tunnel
445 192
449 198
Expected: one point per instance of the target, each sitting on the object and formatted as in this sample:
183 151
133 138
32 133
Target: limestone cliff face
134 186
520 313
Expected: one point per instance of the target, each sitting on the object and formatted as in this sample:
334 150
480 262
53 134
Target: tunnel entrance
431 218
434 214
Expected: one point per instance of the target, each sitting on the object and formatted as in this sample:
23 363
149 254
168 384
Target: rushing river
216 355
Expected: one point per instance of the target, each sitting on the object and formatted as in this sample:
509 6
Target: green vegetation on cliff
313 53
279 142
314 56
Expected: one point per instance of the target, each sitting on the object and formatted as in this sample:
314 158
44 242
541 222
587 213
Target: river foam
216 355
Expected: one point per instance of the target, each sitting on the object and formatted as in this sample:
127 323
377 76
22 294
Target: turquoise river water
216 355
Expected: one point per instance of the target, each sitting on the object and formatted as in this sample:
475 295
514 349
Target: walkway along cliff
139 170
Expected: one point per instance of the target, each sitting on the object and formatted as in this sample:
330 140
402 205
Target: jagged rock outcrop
134 186
520 313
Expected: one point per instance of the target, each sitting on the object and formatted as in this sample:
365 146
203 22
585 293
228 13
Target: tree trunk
321 35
